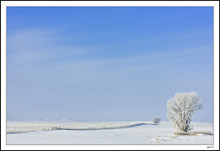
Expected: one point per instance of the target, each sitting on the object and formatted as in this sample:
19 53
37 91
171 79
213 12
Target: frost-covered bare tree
181 109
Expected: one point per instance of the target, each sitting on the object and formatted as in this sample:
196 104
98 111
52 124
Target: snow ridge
26 128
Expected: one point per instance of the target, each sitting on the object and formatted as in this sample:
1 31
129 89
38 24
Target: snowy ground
102 133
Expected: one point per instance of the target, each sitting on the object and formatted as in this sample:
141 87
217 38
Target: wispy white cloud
35 45
42 47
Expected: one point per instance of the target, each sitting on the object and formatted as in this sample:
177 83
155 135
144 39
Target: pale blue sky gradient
107 63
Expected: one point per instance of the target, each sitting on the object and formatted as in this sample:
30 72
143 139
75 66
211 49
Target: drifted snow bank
193 133
26 127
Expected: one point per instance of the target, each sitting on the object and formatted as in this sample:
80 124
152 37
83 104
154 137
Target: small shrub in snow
156 120
181 109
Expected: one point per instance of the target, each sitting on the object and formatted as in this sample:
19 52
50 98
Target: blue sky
107 63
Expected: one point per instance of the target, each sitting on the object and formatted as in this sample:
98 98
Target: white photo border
5 4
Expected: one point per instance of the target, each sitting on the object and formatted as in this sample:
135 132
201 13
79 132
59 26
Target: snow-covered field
103 133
